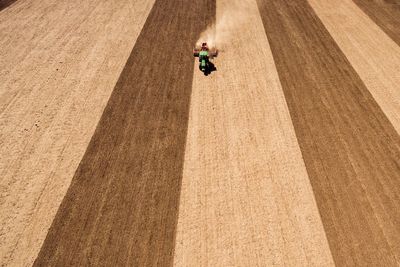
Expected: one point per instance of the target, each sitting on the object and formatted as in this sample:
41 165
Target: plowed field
116 150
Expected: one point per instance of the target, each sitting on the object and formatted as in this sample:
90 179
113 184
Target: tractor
204 54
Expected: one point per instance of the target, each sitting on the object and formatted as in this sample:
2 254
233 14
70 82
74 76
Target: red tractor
204 54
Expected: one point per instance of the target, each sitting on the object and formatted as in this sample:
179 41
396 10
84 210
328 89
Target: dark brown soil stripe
385 13
6 3
121 208
351 151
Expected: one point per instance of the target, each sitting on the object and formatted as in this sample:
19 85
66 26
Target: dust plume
233 16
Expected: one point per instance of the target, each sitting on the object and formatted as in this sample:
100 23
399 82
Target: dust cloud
233 16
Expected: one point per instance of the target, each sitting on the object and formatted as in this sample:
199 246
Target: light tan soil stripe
374 56
59 62
246 199
350 148
385 13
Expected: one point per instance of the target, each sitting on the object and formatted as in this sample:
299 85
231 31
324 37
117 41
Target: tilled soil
287 154
246 197
386 14
60 61
122 205
5 3
350 148
371 52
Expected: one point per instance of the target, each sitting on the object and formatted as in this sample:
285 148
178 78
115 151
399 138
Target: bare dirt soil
385 13
371 52
5 3
246 198
350 148
59 64
116 150
122 205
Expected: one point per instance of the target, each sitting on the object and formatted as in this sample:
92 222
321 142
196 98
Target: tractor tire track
122 205
386 14
351 150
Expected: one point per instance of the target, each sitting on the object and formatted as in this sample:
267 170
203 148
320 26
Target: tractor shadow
211 68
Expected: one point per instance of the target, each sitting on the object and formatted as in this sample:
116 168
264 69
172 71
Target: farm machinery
205 54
